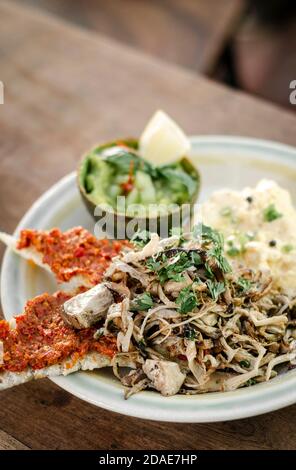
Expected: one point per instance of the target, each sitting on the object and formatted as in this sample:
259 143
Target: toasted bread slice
30 253
76 257
38 343
91 361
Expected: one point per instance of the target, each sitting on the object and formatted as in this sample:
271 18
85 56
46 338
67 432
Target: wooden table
64 90
191 33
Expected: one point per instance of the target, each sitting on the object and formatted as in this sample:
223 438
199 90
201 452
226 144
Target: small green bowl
161 223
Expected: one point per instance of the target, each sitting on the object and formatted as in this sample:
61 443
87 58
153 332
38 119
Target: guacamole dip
117 169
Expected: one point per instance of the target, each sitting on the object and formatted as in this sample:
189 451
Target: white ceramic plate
224 162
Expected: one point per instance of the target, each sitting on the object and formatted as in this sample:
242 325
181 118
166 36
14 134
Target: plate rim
168 408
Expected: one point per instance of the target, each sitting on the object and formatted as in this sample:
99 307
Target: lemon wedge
163 141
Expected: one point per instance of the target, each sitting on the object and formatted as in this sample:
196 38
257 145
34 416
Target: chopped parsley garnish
189 333
287 248
215 288
208 234
244 284
251 382
142 346
186 300
271 213
169 268
217 253
237 246
245 363
196 259
141 238
211 236
226 211
233 251
143 302
209 272
172 264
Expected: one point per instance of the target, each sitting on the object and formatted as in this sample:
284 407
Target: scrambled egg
259 226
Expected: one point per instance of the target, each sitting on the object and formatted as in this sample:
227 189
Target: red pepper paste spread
42 338
72 253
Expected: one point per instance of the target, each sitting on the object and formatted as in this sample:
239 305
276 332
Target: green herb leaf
196 259
270 213
210 236
143 302
226 211
178 177
141 238
215 288
169 269
209 272
189 333
207 234
142 346
237 246
287 248
233 251
121 159
217 253
251 382
245 363
244 284
186 300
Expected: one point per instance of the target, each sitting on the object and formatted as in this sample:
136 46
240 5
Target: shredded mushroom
180 301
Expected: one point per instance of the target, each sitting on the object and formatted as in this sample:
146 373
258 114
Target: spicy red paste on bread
41 338
71 253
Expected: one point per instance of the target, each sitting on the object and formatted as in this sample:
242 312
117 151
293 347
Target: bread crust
91 361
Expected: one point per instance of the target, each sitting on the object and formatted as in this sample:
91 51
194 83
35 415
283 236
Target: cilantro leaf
287 248
271 213
186 300
226 211
122 159
179 177
237 246
196 258
233 251
244 284
251 382
143 302
215 288
141 238
215 239
189 332
217 253
245 363
207 234
169 269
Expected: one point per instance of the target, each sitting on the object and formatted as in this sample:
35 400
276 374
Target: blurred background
247 44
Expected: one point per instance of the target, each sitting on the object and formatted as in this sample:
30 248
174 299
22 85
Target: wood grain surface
8 442
190 33
66 89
